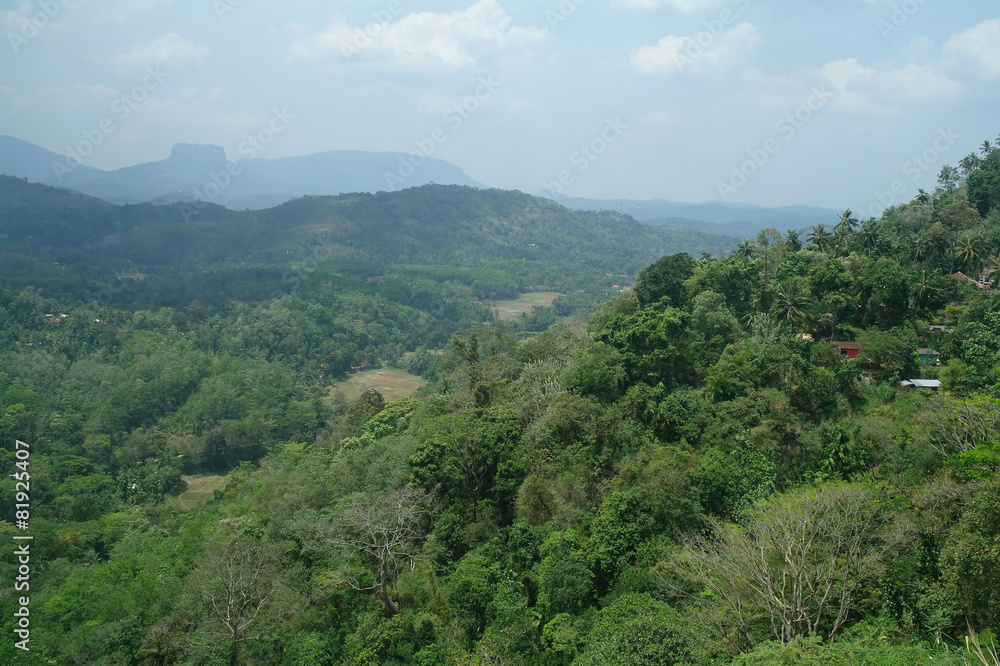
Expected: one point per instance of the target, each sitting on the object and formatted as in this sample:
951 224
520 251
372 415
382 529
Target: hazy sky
822 103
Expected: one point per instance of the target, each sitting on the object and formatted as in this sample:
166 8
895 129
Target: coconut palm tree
923 289
869 235
791 303
969 163
819 237
970 253
793 241
923 197
986 148
848 223
745 249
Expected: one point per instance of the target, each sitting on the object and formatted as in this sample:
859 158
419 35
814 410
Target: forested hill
62 240
728 464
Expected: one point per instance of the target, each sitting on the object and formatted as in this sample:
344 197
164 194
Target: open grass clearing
200 490
512 309
392 384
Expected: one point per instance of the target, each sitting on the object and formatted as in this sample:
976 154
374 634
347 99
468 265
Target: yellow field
200 489
513 309
392 384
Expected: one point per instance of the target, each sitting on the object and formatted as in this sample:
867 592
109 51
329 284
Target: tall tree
793 240
238 583
819 237
386 529
745 249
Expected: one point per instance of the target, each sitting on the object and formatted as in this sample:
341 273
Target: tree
969 163
386 529
970 565
799 561
986 149
793 241
664 278
984 185
791 303
847 224
238 583
955 425
745 249
869 235
819 237
923 289
637 629
948 179
649 345
468 458
970 253
770 250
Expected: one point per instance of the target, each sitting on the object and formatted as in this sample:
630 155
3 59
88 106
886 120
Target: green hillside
728 464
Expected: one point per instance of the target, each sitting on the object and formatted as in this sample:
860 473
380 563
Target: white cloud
867 90
699 54
976 49
169 50
456 39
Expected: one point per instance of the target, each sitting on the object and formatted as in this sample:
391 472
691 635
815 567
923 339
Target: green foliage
468 459
731 482
970 565
564 487
665 278
637 629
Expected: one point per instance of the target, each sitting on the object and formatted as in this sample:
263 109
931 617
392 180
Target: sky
852 103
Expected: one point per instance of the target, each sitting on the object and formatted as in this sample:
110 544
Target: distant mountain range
738 220
203 173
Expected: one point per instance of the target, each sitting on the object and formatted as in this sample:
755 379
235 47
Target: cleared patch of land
392 384
512 309
200 489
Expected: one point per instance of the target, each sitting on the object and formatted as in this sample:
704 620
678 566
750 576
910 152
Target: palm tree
792 239
986 148
969 163
745 249
869 235
819 237
791 303
923 197
848 223
970 254
922 288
